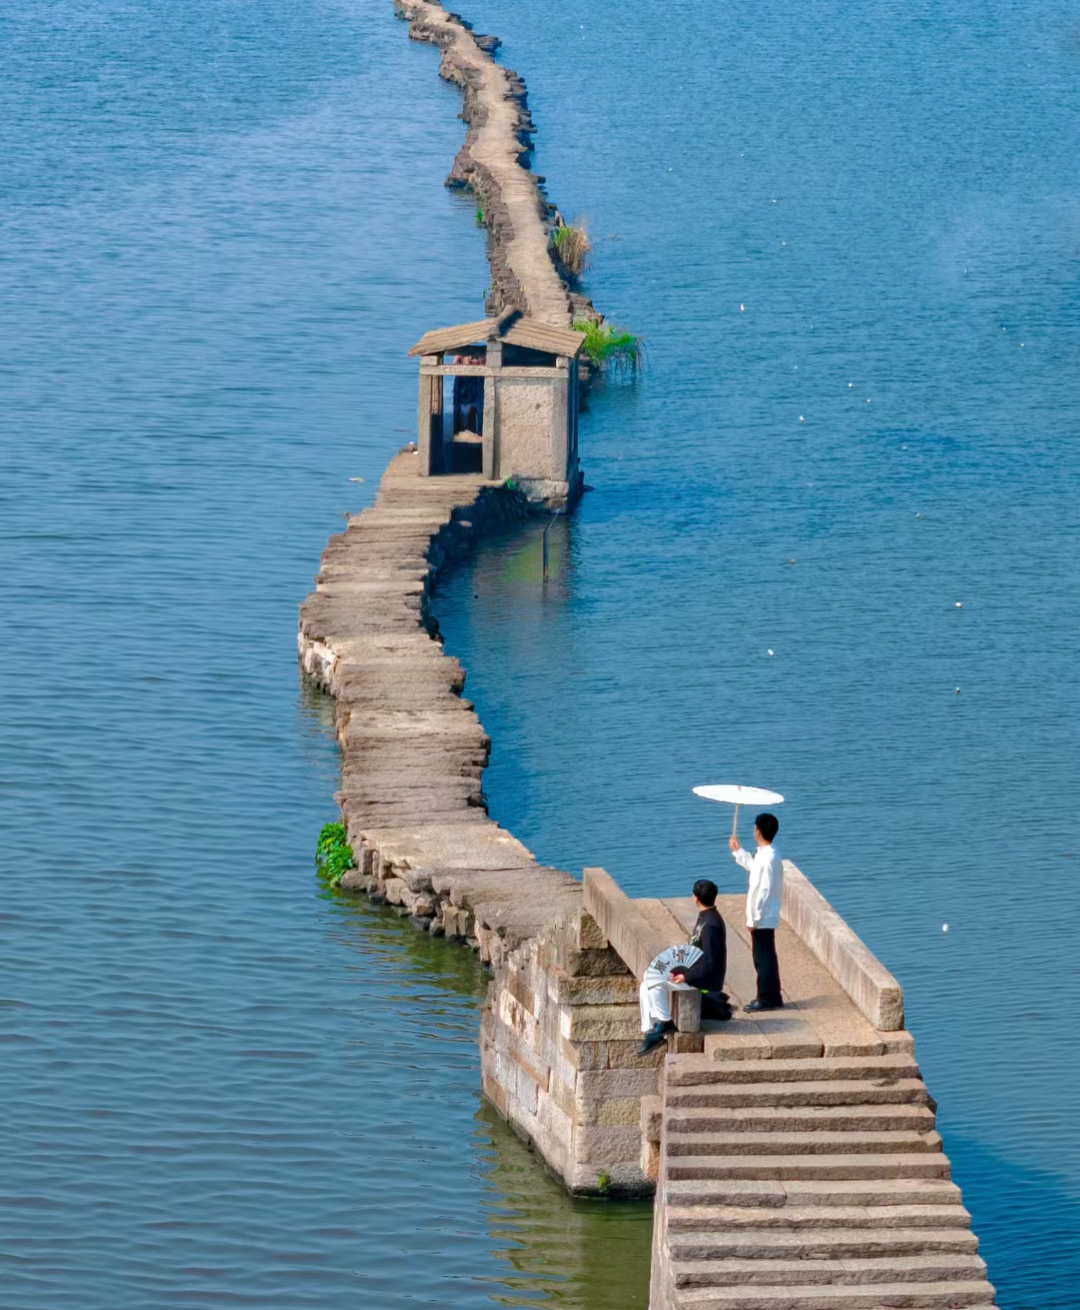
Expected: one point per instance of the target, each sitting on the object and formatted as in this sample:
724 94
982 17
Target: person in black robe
708 971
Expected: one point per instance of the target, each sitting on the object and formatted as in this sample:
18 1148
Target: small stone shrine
499 397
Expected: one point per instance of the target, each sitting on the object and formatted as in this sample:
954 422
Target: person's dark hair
768 825
705 891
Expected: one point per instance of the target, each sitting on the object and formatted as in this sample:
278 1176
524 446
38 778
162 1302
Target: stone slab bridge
793 1157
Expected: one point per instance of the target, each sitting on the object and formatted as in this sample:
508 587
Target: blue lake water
850 240
223 225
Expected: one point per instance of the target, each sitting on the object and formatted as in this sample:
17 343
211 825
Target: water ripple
218 1086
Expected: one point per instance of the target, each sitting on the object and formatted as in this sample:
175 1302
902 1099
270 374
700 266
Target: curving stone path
491 164
413 750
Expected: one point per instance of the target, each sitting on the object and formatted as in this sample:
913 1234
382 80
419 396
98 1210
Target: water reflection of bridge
576 1253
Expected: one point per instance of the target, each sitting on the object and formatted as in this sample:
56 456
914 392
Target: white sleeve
744 859
764 887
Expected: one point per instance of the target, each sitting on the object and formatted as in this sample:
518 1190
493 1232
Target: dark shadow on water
1043 1272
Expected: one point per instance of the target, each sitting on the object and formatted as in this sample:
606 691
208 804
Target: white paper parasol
734 795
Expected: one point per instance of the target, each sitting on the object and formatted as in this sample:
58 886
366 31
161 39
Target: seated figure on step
702 964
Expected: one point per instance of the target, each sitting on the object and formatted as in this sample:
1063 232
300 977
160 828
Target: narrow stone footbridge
793 1157
796 1157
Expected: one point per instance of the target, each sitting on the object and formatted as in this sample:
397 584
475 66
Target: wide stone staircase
813 1183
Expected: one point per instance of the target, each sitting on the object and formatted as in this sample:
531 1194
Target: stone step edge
834 1272
953 1294
693 1071
796 1194
775 1168
900 1091
793 1219
962 1239
803 1143
773 1118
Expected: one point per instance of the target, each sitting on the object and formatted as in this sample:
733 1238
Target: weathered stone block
495 1089
603 1147
587 935
519 1021
612 1111
555 1132
651 1109
650 1160
562 1091
590 963
686 1010
612 989
595 1084
394 890
456 922
898 1043
624 1055
526 1088
625 1179
417 880
518 986
630 931
585 1023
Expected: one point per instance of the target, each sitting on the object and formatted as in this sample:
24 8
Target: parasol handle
735 821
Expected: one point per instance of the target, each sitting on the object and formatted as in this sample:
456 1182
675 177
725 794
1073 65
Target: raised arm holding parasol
766 886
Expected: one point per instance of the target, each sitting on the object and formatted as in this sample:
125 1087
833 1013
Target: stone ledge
859 972
622 922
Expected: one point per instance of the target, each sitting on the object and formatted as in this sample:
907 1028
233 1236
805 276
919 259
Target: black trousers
767 965
715 1005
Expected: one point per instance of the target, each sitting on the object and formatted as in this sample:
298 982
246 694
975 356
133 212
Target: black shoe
755 1007
656 1036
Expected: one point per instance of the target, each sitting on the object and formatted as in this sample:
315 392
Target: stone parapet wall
850 961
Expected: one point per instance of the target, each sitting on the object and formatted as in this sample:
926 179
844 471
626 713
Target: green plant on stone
333 854
603 1184
574 247
480 217
611 347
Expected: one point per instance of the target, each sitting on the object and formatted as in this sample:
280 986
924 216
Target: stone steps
810 1184
923 1164
793 1196
962 1294
804 1218
823 1092
896 1117
700 1070
730 1145
817 1244
802 1273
